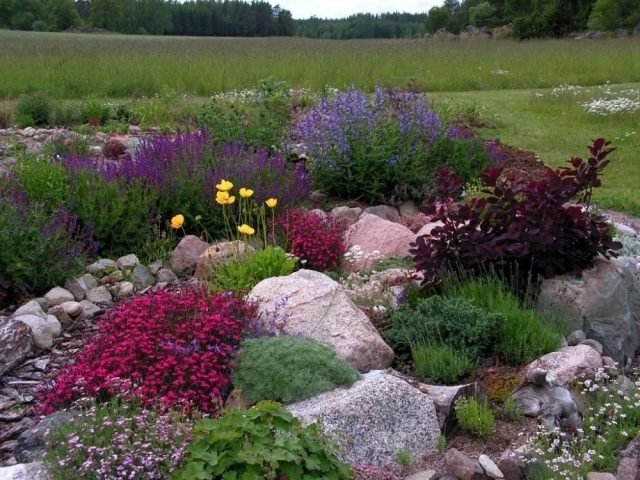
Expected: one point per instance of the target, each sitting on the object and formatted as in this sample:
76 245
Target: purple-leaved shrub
517 227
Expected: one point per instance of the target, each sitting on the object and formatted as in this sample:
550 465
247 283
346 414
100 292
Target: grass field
508 83
74 65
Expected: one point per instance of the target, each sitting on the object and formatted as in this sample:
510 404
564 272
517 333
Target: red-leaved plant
175 348
316 240
518 227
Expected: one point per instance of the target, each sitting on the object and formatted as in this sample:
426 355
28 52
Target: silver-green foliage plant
630 245
289 369
263 442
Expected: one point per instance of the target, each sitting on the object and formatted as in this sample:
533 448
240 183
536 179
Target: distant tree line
386 25
158 17
535 18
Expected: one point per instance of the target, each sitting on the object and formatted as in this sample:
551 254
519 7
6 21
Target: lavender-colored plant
365 147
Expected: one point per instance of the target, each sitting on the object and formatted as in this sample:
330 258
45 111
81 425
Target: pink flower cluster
174 347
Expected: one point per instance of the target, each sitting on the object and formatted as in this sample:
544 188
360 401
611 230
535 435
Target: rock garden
346 289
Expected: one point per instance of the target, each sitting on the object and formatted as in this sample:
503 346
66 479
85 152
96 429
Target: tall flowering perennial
362 147
172 347
611 420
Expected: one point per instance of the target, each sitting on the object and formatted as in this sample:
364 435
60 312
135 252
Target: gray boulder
127 263
553 404
374 419
384 211
102 267
57 296
44 330
165 275
31 442
184 257
604 303
16 341
142 277
313 305
30 308
99 295
346 215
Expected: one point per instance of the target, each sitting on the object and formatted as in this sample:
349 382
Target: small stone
142 277
89 280
155 267
40 328
41 364
185 256
114 148
576 337
461 466
73 309
166 276
491 470
384 211
89 309
44 305
115 276
425 475
134 130
600 476
596 345
95 150
55 327
99 295
124 290
61 315
102 267
511 464
30 308
16 342
58 295
77 287
127 262
346 216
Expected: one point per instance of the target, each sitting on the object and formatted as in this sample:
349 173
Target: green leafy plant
44 181
523 335
403 457
242 273
289 369
36 107
264 442
441 444
94 112
440 362
451 320
477 418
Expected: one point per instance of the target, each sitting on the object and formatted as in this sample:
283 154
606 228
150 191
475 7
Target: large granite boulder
604 303
313 305
16 341
377 236
374 419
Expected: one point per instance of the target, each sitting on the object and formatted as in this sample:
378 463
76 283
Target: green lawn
557 128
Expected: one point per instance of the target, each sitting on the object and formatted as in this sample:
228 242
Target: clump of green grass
289 369
524 335
477 418
441 363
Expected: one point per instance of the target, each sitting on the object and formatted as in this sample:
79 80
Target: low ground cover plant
316 240
611 419
118 440
289 369
527 227
173 348
265 441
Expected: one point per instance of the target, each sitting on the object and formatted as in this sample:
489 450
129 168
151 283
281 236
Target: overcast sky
344 8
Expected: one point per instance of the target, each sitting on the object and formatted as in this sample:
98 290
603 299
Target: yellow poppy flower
231 199
246 192
272 202
177 222
224 185
222 197
246 229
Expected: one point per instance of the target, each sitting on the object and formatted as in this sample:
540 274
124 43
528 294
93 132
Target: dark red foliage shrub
174 347
317 241
517 226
